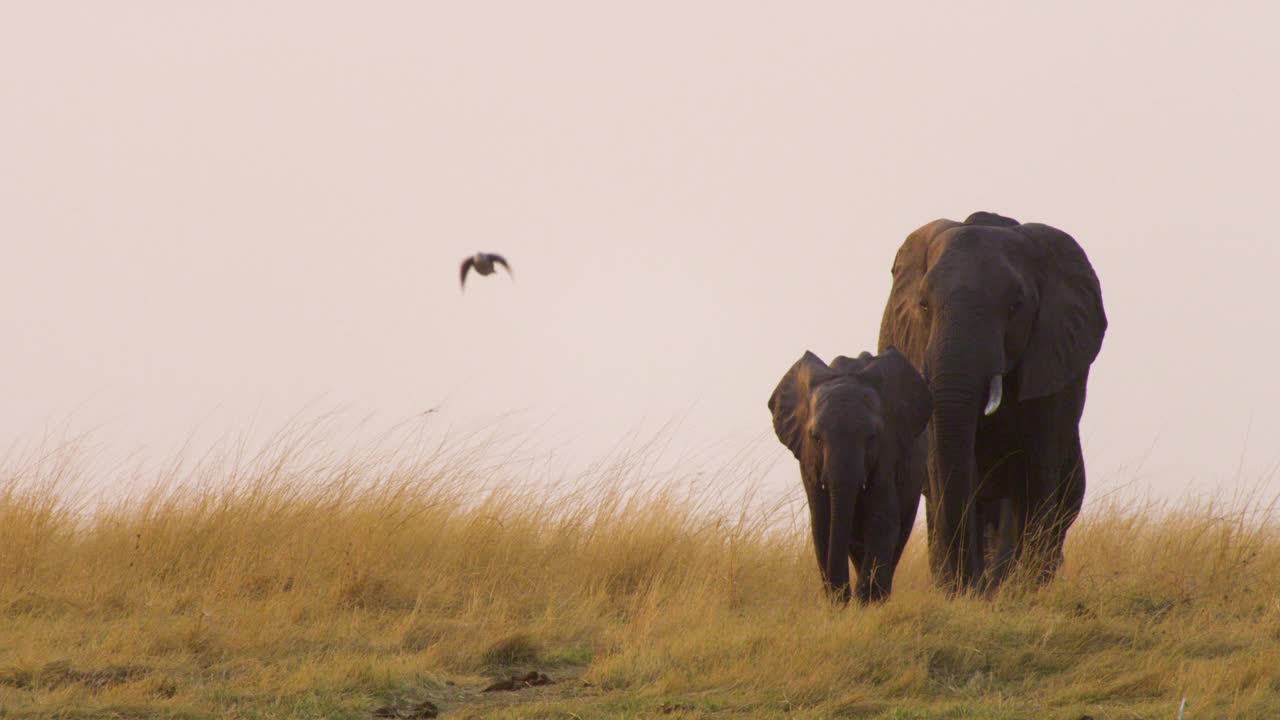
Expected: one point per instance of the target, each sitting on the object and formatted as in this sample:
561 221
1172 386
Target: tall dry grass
295 583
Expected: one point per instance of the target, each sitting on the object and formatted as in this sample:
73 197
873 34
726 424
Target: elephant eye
924 306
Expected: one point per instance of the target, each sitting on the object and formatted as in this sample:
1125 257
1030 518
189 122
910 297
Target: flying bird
483 264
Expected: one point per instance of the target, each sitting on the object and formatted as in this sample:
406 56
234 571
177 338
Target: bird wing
503 262
467 264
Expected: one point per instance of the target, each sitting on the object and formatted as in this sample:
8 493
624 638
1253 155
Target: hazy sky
212 213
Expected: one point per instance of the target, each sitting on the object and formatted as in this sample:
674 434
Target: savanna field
299 584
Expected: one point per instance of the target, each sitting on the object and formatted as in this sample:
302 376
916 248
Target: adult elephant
1003 320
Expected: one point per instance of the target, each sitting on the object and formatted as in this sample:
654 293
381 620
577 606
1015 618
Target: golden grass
292 584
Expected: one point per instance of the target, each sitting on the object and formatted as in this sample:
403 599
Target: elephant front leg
879 533
1059 493
875 570
820 525
1057 484
1070 498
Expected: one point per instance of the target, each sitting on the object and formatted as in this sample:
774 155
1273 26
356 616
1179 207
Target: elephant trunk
844 483
953 473
966 384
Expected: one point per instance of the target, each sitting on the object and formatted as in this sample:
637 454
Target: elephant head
994 313
848 424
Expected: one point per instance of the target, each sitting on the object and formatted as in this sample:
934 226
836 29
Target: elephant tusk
994 395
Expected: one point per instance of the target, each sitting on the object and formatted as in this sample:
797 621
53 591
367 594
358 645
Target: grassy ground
279 587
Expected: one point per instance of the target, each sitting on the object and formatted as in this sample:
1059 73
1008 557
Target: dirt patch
532 678
424 709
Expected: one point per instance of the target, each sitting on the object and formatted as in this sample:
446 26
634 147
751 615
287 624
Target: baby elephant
857 428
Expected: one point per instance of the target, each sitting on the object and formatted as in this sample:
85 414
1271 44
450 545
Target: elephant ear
790 400
990 219
902 327
905 400
1070 322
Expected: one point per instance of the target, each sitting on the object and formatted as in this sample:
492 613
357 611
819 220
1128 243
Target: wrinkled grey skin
856 427
972 302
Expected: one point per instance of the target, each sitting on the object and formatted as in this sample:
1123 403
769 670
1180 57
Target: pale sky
213 214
